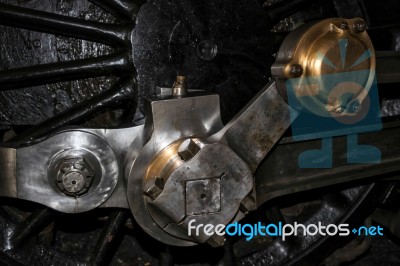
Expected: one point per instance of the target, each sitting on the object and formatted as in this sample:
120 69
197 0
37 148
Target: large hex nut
74 176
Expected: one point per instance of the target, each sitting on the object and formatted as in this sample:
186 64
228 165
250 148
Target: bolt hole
203 196
73 182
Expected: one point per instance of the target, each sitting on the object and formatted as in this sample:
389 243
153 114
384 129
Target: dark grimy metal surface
63 25
279 174
22 48
30 106
117 64
121 93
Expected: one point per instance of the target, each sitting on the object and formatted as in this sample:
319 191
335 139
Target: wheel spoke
282 10
117 64
122 92
121 9
31 226
109 238
63 25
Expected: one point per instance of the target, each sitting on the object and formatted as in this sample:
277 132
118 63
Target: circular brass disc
329 52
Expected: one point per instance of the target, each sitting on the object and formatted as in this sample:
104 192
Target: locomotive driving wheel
71 64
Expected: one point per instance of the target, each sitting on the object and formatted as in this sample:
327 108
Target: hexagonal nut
155 189
74 176
359 27
353 107
188 149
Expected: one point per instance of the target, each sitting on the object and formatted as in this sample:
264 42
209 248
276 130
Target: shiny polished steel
37 170
259 125
208 187
119 140
318 49
8 173
167 121
33 173
191 167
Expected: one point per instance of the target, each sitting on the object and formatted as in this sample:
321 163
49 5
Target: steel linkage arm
72 171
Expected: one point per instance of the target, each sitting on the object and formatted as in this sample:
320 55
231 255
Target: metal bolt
296 71
248 204
155 189
74 181
359 27
74 176
344 25
353 107
179 89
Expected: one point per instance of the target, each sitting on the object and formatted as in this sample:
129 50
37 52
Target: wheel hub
206 183
176 177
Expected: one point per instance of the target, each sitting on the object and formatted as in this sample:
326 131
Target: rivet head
359 27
